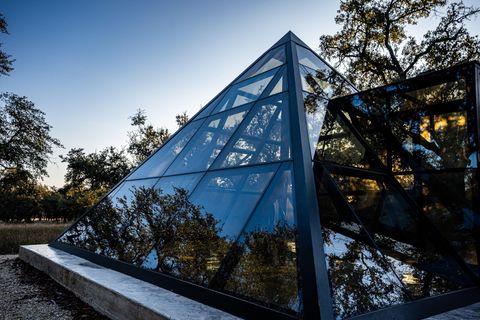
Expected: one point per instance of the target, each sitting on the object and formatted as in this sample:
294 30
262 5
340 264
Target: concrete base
112 293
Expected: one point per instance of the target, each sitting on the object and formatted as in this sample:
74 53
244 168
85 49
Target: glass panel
338 144
380 253
116 228
231 195
448 200
263 137
324 83
270 60
167 185
309 59
185 240
315 110
208 109
161 159
319 78
428 139
126 191
246 91
440 93
205 146
265 266
281 85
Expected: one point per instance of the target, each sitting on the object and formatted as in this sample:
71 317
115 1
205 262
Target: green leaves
6 61
25 141
374 48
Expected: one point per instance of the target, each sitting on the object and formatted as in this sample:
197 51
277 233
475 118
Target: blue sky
91 64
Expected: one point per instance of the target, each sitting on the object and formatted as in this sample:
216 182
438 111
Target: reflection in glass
205 146
270 60
309 59
320 79
114 228
246 91
315 110
167 185
263 137
379 253
452 210
436 94
161 159
435 141
266 267
126 190
230 195
161 232
338 144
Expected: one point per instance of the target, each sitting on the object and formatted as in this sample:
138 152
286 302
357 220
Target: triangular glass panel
281 84
272 59
114 227
315 111
337 143
156 164
263 137
207 143
246 91
318 78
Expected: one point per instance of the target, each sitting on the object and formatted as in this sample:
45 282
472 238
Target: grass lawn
14 235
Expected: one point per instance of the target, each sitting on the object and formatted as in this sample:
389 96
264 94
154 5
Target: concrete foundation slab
112 293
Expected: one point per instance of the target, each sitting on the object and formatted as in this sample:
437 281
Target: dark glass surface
449 200
338 144
379 250
315 110
263 137
270 60
207 143
231 195
267 269
246 91
441 93
157 164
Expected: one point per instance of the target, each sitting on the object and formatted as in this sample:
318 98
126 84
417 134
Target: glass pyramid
228 210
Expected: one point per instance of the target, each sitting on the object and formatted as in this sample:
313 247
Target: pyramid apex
289 36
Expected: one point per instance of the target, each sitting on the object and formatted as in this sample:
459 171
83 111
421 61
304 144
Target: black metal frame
313 274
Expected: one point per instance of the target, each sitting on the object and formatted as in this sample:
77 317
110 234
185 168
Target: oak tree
374 46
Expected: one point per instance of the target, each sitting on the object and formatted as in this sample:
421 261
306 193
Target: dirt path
26 293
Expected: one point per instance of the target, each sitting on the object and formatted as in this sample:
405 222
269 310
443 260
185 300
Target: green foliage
181 119
97 170
6 60
145 138
373 46
25 141
183 236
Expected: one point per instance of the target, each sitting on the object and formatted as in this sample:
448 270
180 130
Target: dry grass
14 235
